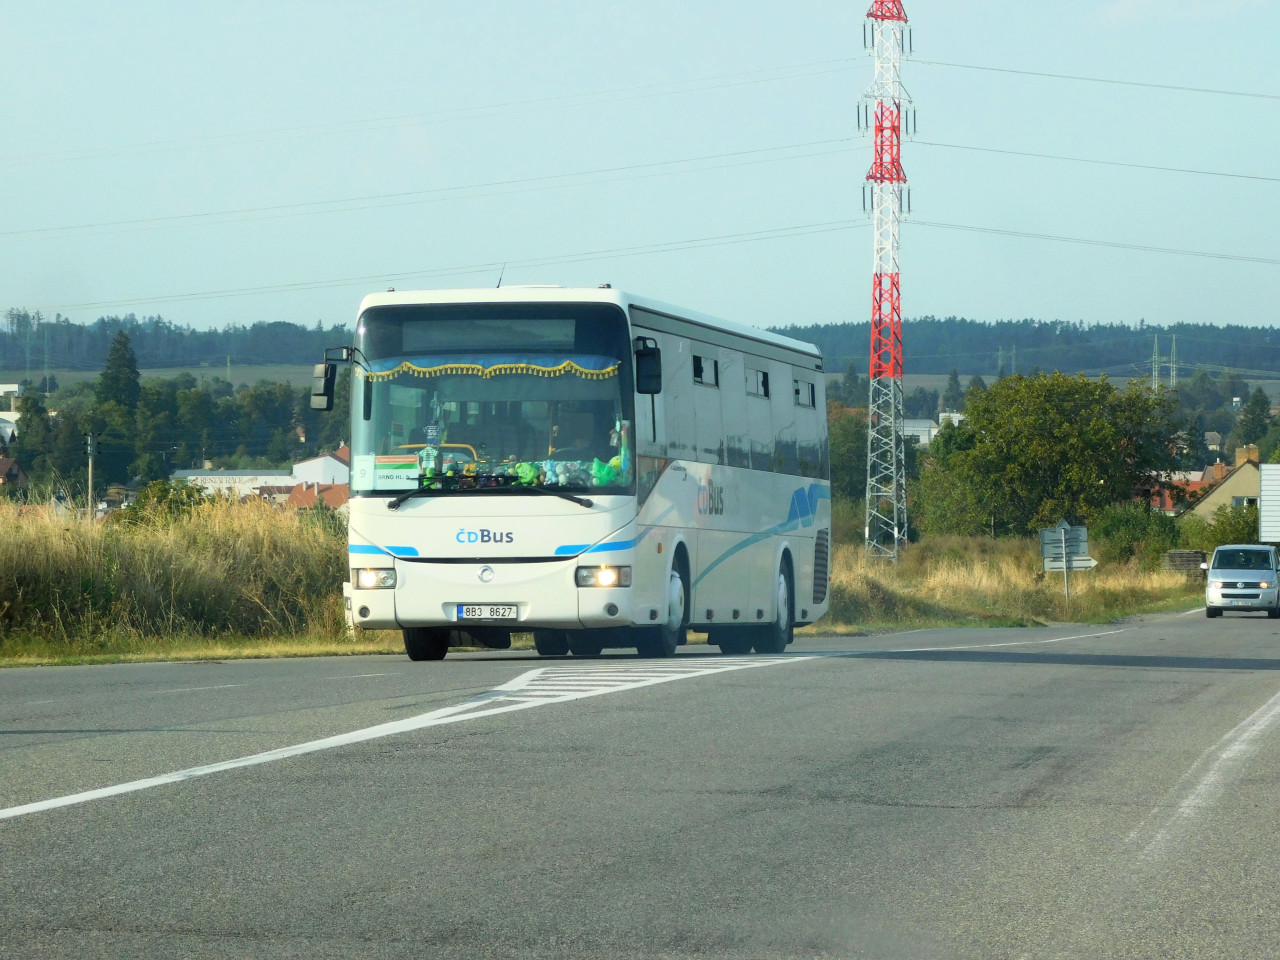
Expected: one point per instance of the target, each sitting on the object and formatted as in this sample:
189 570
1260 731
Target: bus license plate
486 611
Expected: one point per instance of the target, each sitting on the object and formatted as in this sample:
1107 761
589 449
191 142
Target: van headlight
603 577
374 578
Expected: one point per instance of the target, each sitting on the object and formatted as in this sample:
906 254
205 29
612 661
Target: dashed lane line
536 688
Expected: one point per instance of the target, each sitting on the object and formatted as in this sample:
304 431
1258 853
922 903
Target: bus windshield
490 397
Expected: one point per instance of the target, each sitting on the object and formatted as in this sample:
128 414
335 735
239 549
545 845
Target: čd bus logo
711 500
484 536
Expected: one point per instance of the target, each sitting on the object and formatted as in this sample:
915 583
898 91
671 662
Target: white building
327 468
233 483
921 431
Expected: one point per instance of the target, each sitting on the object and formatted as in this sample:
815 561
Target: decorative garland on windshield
477 369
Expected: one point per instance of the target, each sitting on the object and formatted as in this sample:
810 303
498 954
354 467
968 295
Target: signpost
1065 548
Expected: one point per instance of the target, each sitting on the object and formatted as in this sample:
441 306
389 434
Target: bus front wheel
775 637
426 643
662 641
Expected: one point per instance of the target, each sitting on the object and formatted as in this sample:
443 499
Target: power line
591 98
407 197
585 257
523 184
642 250
1101 243
1109 80
1106 163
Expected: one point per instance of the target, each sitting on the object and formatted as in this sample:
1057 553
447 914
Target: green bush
1229 525
1133 530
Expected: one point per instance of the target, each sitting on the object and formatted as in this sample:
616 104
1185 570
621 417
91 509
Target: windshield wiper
556 493
395 502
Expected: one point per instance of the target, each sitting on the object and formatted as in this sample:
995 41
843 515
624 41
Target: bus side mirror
322 386
648 366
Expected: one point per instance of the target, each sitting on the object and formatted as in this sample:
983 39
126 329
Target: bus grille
820 550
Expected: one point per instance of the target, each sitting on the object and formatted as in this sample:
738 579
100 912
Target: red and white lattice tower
886 514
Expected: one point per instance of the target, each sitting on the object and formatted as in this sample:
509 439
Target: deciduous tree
1034 450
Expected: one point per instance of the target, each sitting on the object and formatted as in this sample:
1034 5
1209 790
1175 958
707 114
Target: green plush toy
603 474
527 473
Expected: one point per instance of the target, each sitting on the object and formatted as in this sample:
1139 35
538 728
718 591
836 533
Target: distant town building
921 431
327 468
276 486
10 473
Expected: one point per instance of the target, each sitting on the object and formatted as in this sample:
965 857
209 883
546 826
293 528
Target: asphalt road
1063 792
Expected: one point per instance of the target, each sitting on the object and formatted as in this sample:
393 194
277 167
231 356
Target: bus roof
554 294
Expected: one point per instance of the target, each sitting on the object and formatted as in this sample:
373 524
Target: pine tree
953 395
118 382
1255 417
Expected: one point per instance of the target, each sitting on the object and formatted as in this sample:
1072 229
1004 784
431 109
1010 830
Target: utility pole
1173 364
885 34
91 448
1155 364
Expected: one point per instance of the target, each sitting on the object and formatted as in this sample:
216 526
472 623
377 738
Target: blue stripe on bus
803 510
367 548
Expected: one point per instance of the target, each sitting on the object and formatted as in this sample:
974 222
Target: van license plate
486 611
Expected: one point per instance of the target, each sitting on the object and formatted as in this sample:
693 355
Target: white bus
598 469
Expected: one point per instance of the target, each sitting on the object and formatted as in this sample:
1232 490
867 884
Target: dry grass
220 570
953 580
225 580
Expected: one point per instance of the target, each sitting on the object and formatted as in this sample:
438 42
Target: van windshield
1242 560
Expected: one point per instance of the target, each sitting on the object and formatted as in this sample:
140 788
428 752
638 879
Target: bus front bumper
524 596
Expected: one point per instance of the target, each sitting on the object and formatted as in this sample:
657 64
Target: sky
238 162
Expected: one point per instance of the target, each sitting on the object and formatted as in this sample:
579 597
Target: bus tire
426 643
551 643
775 637
585 643
732 641
661 641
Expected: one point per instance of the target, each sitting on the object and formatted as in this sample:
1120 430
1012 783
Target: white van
1242 577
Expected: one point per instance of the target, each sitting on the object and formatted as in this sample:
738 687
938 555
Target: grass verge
955 581
223 580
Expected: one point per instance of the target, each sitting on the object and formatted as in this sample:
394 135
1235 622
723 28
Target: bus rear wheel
551 643
775 637
426 643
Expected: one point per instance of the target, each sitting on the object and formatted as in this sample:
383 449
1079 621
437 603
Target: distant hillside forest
30 341
933 346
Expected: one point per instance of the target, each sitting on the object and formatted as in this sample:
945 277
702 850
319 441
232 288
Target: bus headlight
603 576
383 578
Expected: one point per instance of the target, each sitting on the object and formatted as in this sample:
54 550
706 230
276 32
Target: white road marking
1208 777
220 686
355 676
525 691
1013 643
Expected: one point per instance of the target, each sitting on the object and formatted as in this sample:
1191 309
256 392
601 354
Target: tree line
29 341
146 428
936 346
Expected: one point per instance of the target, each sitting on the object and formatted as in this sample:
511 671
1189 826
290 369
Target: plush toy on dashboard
603 474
